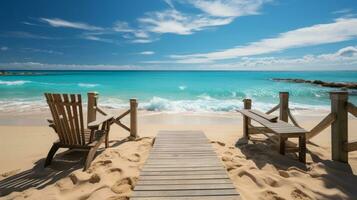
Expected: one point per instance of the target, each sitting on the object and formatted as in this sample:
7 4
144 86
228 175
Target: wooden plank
180 167
351 146
184 187
278 127
177 173
326 122
183 169
177 193
226 197
352 109
183 181
270 118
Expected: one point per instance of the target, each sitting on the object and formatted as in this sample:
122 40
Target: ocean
173 91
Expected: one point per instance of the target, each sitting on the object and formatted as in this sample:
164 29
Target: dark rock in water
345 85
18 73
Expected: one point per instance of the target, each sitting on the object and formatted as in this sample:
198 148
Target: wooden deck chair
68 123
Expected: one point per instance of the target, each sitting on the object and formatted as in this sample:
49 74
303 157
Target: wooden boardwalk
182 165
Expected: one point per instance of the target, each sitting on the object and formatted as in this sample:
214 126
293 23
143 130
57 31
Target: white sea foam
12 83
87 85
182 87
202 104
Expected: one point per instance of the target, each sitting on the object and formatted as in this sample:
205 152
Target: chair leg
92 152
107 139
90 157
282 145
51 153
302 149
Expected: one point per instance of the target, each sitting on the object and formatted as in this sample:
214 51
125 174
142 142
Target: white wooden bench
280 128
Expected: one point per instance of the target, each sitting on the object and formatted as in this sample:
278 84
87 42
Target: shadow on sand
39 177
333 174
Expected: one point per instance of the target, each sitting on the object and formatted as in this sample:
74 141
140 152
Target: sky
178 34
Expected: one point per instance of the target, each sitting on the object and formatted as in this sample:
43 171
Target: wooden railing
337 119
93 109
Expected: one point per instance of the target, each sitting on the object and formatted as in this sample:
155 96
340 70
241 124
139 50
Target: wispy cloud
147 53
343 59
212 13
25 35
4 48
56 22
342 11
173 21
98 39
341 29
229 8
43 51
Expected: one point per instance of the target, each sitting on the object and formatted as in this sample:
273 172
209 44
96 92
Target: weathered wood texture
280 128
246 120
68 123
284 106
326 122
183 165
339 127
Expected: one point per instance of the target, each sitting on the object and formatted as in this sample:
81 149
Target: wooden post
246 120
92 107
284 106
133 118
339 128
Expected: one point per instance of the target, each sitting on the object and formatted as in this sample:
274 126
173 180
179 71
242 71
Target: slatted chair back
67 116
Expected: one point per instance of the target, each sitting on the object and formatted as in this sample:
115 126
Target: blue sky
179 34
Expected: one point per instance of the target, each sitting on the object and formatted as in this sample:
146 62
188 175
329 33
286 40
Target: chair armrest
100 121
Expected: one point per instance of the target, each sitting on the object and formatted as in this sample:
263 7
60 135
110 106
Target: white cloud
173 21
56 22
229 8
342 29
147 53
347 51
43 51
169 3
25 35
142 41
4 48
96 38
329 61
213 13
342 11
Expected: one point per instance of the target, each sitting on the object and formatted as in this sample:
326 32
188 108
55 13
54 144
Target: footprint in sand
65 184
219 143
118 198
250 178
134 157
82 177
226 158
124 185
270 195
228 153
272 182
115 173
297 194
284 174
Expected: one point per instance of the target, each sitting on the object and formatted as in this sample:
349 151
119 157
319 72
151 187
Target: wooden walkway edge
182 165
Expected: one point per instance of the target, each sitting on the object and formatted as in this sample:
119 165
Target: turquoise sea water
177 91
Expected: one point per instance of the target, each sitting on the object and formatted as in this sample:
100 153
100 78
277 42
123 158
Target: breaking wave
12 83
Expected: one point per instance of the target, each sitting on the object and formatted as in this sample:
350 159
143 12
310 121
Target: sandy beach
256 170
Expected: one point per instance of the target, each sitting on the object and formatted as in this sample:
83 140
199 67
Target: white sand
257 170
